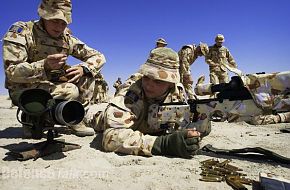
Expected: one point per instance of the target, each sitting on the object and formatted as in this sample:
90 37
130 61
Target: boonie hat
56 9
162 64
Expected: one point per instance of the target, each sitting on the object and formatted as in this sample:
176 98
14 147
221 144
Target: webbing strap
257 152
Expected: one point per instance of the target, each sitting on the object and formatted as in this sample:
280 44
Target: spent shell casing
211 178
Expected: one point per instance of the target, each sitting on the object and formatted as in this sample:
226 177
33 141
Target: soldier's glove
176 144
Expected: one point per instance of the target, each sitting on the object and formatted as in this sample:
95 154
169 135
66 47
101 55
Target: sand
90 168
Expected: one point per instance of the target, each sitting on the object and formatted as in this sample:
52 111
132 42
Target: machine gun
41 112
239 100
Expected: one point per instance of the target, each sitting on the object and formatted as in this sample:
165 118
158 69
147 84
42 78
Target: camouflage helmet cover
56 9
162 64
219 38
161 41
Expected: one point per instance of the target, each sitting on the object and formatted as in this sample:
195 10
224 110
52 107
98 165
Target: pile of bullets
216 171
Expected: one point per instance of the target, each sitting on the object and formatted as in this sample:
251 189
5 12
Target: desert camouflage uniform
117 85
100 91
127 127
25 47
106 91
270 93
219 55
126 119
187 55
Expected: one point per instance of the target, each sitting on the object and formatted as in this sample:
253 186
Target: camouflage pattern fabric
187 56
117 86
125 121
162 64
56 9
100 90
216 58
25 47
271 119
270 93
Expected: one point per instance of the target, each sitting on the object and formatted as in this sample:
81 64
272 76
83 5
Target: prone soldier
267 98
126 125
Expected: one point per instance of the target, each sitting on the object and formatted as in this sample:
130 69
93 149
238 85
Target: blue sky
257 32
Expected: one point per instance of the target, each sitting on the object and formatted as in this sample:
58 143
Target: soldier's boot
81 130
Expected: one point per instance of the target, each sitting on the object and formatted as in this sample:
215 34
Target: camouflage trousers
187 82
189 91
81 91
217 77
271 119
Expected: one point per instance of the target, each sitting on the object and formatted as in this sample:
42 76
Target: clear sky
257 32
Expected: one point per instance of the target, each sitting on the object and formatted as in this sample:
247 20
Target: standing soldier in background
187 55
97 97
106 91
117 85
218 59
161 43
35 55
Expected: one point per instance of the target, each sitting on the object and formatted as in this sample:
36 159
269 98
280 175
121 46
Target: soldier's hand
54 61
75 73
183 143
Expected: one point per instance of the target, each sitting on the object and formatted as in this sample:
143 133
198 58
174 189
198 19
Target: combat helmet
220 38
56 9
162 64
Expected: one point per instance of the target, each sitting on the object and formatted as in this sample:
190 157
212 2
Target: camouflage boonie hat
219 38
203 48
162 64
56 9
161 41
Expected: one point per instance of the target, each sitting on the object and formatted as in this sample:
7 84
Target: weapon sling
255 152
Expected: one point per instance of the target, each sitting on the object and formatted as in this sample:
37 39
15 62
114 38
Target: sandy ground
90 168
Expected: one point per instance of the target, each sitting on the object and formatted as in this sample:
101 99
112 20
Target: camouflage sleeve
208 59
92 58
185 64
127 141
119 136
15 57
231 59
